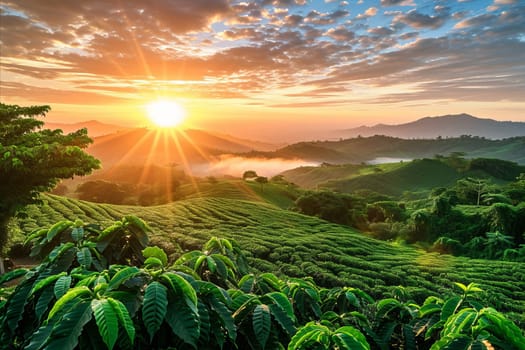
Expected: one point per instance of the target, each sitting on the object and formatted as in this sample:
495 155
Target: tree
470 190
249 174
101 191
261 180
34 160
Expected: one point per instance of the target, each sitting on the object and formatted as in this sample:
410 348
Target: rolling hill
295 245
444 126
366 149
395 178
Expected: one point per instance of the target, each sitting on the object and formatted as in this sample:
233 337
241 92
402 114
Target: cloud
340 33
370 12
49 95
240 49
397 3
419 20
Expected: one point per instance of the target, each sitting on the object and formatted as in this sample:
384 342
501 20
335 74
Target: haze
268 70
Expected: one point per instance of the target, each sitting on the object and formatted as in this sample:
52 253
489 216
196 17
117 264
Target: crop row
291 244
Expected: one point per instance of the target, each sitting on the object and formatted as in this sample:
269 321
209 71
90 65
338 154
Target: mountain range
165 147
95 128
444 126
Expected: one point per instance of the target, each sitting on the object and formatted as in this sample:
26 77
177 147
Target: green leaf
40 337
77 233
385 306
122 276
58 228
212 265
225 317
156 252
184 321
44 302
62 286
11 275
350 338
308 335
153 262
450 307
181 287
352 298
283 319
16 304
154 307
460 322
36 234
461 286
59 251
453 342
73 293
107 321
67 330
283 302
124 318
262 322
205 324
428 309
84 257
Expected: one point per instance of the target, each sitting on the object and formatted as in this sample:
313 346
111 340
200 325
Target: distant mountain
444 126
167 147
95 128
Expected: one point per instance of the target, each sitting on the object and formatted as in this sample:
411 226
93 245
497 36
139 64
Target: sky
265 69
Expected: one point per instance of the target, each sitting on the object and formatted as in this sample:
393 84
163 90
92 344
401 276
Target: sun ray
148 162
196 147
185 162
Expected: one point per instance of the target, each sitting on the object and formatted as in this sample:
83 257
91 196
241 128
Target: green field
295 245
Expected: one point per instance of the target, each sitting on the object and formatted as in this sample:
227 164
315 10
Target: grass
295 245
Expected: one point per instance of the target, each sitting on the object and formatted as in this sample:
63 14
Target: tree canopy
34 160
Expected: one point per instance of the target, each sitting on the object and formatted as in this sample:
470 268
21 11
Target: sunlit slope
413 176
279 194
313 176
395 178
288 243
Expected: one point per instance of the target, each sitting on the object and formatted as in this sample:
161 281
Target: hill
95 128
395 178
368 149
444 126
163 147
295 245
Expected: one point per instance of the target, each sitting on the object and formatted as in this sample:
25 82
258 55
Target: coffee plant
107 289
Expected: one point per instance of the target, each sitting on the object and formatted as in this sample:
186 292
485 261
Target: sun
166 114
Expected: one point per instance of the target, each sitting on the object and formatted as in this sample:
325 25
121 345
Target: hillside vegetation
362 149
395 178
295 245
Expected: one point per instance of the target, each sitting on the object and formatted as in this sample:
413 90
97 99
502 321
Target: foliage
33 160
334 207
291 244
249 174
155 305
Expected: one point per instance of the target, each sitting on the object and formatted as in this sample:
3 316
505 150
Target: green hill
288 243
394 179
364 149
417 175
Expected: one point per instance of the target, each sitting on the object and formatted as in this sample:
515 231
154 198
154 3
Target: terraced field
288 243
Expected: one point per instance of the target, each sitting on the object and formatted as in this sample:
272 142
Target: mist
236 166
